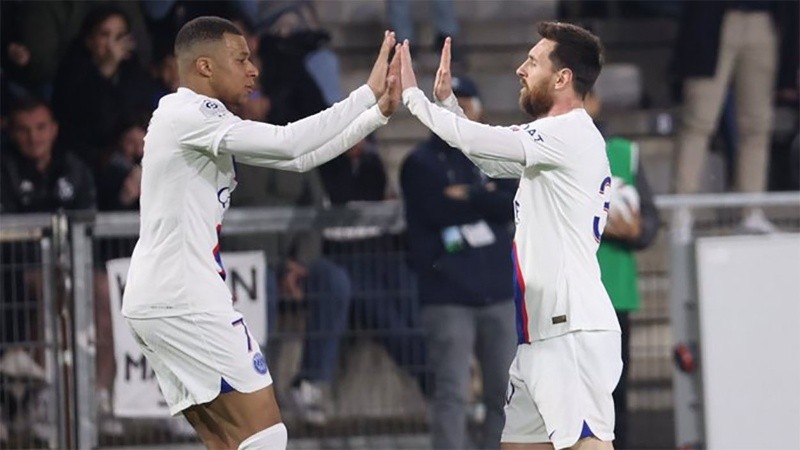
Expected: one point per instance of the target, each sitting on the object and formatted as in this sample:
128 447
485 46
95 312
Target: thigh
524 423
569 380
703 96
496 344
755 75
213 434
450 336
245 414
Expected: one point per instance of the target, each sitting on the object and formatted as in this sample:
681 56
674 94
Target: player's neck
198 86
565 105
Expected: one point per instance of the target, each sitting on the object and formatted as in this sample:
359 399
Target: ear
204 66
563 78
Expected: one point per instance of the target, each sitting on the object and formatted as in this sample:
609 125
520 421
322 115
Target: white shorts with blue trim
560 389
197 356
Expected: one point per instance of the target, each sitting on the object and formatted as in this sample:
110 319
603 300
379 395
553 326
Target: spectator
35 176
164 71
632 225
37 36
380 279
299 275
302 76
99 81
459 234
119 180
38 177
356 175
719 42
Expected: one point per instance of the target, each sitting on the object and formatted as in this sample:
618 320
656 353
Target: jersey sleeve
287 142
497 151
201 125
217 130
364 124
542 146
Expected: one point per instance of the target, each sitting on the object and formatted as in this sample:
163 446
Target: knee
272 438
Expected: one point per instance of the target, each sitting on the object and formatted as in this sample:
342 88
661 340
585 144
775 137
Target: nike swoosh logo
550 436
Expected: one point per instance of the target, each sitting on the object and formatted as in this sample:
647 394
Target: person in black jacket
459 234
37 177
100 81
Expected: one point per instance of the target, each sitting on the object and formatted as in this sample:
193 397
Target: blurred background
701 96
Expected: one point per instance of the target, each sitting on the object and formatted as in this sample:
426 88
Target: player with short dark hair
208 364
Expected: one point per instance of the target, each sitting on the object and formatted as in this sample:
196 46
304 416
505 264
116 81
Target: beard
538 100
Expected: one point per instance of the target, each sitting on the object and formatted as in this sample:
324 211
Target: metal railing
374 400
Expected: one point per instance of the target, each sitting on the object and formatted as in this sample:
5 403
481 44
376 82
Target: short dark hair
27 104
201 29
576 49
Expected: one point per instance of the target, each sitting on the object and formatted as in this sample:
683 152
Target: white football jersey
188 175
560 211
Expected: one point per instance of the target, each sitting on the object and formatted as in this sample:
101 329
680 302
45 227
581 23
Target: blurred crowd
80 79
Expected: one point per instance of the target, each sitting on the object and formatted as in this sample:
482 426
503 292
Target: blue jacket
472 276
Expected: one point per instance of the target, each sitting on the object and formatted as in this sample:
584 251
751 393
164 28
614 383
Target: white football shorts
198 356
560 389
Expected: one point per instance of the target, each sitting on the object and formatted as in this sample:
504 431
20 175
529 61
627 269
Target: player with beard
568 357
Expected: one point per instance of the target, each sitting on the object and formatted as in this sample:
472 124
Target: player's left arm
364 124
492 168
474 139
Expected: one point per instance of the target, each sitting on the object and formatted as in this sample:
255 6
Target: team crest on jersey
224 196
210 108
259 363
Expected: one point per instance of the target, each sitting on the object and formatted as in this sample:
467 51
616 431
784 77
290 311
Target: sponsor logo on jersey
259 363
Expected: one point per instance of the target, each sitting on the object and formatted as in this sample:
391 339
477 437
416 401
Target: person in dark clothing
358 174
119 179
35 176
99 81
459 234
383 289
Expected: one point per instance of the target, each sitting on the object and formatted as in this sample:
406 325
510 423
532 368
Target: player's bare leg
583 444
243 416
526 446
592 443
210 431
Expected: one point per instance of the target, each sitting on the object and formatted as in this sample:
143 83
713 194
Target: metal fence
375 397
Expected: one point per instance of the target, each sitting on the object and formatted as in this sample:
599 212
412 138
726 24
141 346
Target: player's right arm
218 131
492 168
364 124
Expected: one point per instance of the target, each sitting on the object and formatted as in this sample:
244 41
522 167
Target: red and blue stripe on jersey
218 256
523 334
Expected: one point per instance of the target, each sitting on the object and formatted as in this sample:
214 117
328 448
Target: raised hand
390 99
443 84
377 78
407 77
